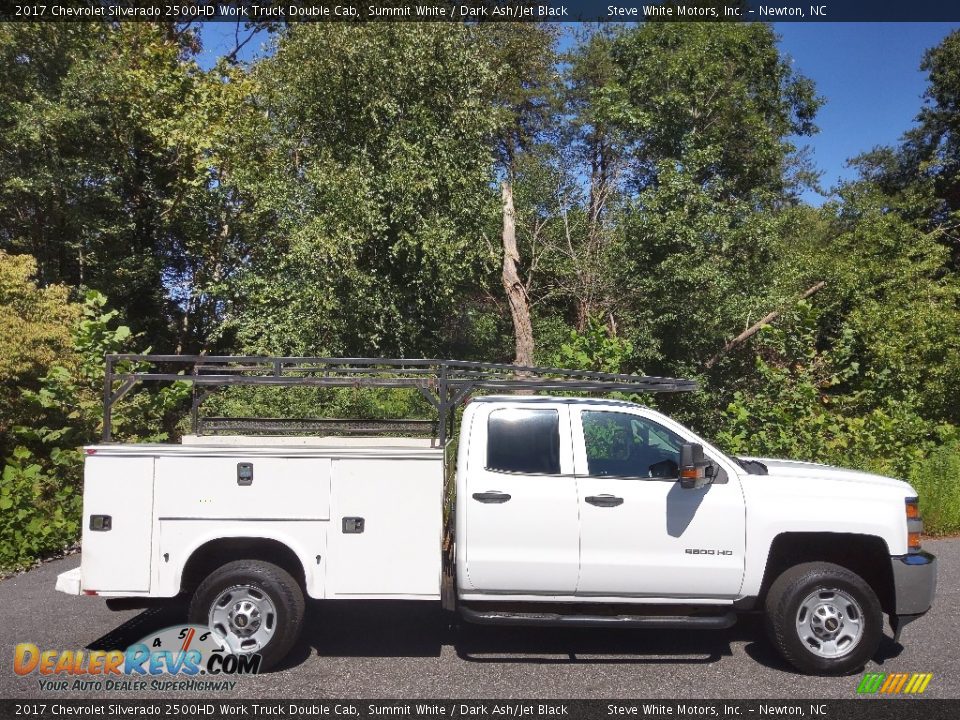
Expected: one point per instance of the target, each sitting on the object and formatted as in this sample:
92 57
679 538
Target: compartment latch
244 474
353 525
101 523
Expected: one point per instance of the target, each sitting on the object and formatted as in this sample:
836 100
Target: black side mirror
695 471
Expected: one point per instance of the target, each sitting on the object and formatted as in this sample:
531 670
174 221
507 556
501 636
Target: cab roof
533 399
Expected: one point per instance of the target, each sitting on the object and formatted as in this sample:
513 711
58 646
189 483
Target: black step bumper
914 582
914 586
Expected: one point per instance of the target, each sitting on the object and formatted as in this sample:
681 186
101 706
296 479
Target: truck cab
579 499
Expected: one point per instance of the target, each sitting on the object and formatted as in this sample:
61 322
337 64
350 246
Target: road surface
406 650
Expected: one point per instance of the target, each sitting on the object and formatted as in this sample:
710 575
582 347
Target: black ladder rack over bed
444 383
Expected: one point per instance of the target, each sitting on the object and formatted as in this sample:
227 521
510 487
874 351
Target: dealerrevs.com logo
174 658
894 683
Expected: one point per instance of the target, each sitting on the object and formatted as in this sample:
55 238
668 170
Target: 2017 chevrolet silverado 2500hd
565 511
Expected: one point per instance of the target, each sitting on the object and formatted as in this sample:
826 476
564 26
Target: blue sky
869 74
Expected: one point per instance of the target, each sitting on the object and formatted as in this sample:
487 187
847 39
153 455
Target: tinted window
524 441
622 444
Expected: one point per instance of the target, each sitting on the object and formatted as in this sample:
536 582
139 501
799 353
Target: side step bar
662 622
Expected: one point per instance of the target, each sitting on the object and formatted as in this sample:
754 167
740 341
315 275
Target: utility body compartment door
117 560
386 528
522 529
265 488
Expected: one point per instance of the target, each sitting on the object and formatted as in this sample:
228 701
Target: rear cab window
522 440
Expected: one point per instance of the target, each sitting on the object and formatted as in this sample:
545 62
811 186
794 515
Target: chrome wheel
830 623
244 617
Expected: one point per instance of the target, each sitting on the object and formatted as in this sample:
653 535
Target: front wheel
253 607
823 619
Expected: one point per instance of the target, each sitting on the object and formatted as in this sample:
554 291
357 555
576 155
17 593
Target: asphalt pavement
379 649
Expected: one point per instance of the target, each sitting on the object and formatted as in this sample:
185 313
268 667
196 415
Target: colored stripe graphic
924 680
894 683
871 683
187 640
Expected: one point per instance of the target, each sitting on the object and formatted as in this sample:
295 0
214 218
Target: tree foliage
40 496
346 195
34 333
372 165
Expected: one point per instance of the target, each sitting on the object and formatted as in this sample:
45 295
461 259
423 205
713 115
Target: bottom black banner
854 709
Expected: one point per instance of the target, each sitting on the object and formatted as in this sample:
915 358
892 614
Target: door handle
491 496
604 500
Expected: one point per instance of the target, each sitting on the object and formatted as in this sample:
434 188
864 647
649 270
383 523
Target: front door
522 529
641 533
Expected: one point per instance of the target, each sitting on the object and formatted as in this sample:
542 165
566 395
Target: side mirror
695 471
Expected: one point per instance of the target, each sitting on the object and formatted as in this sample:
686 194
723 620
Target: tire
254 606
823 619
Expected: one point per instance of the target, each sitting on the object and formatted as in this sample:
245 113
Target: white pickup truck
563 511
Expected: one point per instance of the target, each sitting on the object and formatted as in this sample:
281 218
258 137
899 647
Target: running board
661 622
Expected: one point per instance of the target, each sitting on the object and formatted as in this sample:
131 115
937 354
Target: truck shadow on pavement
404 629
379 628
139 626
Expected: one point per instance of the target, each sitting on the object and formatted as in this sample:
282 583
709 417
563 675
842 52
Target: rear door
522 525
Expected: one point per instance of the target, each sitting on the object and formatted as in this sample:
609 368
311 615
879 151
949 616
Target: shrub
40 497
937 480
40 509
817 404
35 333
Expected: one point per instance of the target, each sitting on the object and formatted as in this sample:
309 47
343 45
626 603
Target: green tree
717 102
35 332
105 166
40 487
524 96
936 141
705 113
367 177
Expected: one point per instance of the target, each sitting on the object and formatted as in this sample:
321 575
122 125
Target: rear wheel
823 619
253 607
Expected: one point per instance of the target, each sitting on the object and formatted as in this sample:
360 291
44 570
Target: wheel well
866 555
215 553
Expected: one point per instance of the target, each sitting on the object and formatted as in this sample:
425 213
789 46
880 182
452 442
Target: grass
937 480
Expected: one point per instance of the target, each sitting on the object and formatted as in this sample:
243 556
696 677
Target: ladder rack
444 383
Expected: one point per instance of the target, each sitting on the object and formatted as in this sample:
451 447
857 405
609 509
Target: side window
524 441
619 444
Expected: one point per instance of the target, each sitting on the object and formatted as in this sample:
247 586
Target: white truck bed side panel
178 539
207 488
398 552
118 560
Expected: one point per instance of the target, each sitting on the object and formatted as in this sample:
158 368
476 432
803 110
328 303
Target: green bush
39 509
40 487
817 404
937 479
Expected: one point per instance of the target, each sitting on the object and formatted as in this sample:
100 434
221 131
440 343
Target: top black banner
810 11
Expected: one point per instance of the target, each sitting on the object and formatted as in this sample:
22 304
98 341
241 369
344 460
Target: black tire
282 591
783 618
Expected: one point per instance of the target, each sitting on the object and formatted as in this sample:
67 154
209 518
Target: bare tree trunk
512 285
760 324
583 314
184 330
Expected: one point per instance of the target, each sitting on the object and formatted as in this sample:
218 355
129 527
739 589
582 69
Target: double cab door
576 499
